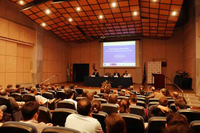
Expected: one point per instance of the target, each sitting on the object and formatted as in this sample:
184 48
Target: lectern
159 81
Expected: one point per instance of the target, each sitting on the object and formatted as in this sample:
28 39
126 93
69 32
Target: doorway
80 71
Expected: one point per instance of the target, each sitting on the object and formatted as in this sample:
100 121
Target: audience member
124 106
1 87
156 94
126 74
4 117
96 106
95 73
175 95
115 124
179 129
161 109
69 95
165 92
30 112
84 94
113 99
175 119
119 88
180 104
10 88
83 121
90 96
141 90
116 74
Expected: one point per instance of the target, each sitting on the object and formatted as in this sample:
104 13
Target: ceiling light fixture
114 4
21 2
43 24
47 11
100 16
135 13
154 0
70 19
78 8
174 13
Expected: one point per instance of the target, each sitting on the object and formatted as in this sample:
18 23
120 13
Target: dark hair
32 90
133 98
113 99
115 124
176 118
62 87
107 90
163 101
37 86
84 106
124 106
9 85
84 94
29 110
179 129
3 92
90 96
180 103
96 106
17 86
68 93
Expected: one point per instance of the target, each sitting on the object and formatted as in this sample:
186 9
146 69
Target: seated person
175 95
179 129
30 113
126 74
124 106
5 94
69 95
165 92
107 74
10 88
180 104
116 74
115 124
156 94
141 91
90 96
83 121
113 99
95 73
161 109
4 117
96 106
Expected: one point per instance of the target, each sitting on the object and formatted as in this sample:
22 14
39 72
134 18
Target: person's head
84 107
133 99
84 94
174 95
153 88
95 70
37 86
107 90
90 96
69 94
119 88
96 106
124 106
3 92
105 96
9 86
115 124
180 104
163 101
179 129
17 86
125 71
62 87
33 90
30 110
174 119
1 114
113 99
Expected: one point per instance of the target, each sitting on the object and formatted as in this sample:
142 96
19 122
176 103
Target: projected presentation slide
119 53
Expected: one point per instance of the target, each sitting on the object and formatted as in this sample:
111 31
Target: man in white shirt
69 95
83 121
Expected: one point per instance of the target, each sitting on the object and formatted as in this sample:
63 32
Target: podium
159 81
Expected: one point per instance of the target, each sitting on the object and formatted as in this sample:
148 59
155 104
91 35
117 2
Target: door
80 71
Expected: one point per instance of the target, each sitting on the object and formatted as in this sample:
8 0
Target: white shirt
84 124
75 102
40 99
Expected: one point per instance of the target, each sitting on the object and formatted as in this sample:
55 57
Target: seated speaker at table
126 74
95 73
116 74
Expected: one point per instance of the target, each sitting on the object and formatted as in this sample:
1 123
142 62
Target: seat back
191 115
79 98
101 118
17 127
24 92
44 115
195 125
28 97
156 124
79 91
48 95
153 100
138 110
96 96
170 101
59 130
172 107
59 116
122 97
16 96
109 108
141 103
6 101
53 92
101 100
134 123
141 99
60 94
153 103
66 104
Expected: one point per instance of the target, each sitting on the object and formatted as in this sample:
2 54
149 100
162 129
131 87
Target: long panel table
115 82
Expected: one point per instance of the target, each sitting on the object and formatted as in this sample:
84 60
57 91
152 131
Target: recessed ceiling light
114 4
135 13
70 19
47 11
174 13
100 16
154 0
43 24
78 8
21 2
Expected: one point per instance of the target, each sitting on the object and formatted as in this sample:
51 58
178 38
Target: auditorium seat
44 115
195 125
17 127
156 124
138 110
134 123
28 97
100 94
141 99
101 100
122 97
170 101
134 92
101 117
59 130
141 103
79 98
172 107
66 104
60 94
48 95
79 91
109 108
141 96
127 95
153 100
24 92
96 96
53 92
153 103
169 98
59 116
16 96
191 115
